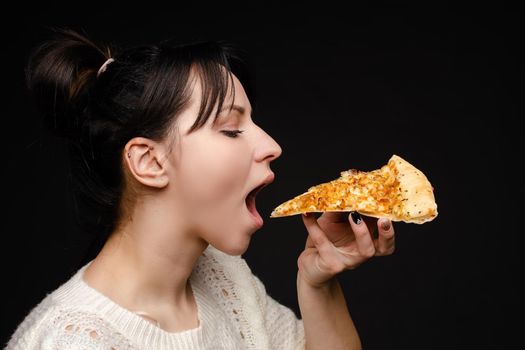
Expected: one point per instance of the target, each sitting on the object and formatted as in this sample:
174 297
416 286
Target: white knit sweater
233 308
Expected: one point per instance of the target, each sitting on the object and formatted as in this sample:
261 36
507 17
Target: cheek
215 175
213 188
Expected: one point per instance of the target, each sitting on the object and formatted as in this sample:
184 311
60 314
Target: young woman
167 159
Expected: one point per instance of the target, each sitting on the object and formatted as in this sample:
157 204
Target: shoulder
32 324
57 327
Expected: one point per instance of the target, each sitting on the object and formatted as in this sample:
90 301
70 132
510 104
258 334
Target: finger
309 243
315 232
334 216
327 262
371 224
385 243
364 242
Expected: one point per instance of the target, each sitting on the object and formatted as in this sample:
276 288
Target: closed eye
232 133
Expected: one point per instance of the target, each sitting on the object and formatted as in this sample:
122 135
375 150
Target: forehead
240 99
236 98
235 95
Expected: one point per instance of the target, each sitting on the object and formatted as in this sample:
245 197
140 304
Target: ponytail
59 74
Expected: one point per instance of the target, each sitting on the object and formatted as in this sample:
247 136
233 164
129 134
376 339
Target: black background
338 89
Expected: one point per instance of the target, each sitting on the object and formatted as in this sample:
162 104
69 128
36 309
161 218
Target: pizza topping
397 190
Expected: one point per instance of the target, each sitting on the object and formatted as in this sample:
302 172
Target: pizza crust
418 203
397 191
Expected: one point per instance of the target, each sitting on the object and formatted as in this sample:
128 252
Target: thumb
318 237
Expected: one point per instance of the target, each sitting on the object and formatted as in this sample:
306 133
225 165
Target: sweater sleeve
285 330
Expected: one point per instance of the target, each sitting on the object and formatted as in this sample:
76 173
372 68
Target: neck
146 266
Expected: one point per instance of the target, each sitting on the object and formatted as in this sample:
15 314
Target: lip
268 180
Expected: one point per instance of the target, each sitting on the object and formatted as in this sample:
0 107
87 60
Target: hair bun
59 74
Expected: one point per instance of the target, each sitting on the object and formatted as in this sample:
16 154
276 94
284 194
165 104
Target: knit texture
234 311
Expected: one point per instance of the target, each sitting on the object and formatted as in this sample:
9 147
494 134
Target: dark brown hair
141 93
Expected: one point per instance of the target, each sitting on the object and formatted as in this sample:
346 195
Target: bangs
217 84
172 72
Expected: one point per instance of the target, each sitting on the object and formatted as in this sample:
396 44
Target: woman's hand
339 241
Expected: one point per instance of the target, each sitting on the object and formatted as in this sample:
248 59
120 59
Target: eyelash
232 133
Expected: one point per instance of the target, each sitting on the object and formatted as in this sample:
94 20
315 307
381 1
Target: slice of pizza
398 191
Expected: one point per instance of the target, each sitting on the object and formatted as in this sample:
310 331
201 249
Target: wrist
303 281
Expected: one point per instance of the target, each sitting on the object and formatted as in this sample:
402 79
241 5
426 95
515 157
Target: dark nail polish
356 217
386 225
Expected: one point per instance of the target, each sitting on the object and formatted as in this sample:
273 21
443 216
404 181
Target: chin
233 249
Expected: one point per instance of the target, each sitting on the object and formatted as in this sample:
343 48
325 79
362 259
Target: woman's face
214 171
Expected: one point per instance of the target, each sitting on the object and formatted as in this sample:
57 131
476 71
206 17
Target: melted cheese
384 192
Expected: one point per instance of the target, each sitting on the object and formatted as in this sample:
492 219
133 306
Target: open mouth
250 199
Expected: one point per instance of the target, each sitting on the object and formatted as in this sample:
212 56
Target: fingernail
356 217
305 215
386 225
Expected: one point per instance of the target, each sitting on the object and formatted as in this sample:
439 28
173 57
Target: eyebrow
236 108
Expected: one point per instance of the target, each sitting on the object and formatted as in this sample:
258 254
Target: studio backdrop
337 89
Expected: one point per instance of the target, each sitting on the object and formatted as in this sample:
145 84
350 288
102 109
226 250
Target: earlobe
142 159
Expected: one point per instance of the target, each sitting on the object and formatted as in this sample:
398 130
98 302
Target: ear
144 160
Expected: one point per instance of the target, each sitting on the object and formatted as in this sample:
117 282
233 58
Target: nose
267 148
